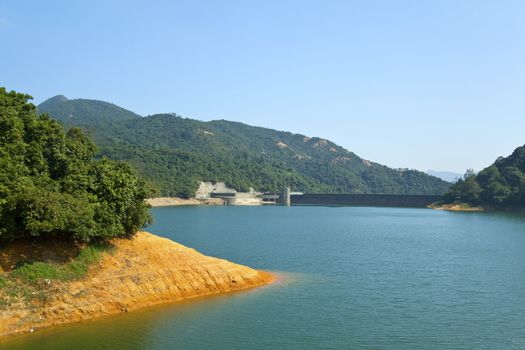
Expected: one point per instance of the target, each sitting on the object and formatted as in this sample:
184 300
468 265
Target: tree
500 185
51 185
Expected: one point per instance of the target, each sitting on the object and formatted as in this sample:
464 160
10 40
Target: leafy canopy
50 184
500 185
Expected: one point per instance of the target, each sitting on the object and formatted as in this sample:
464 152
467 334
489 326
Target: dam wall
366 200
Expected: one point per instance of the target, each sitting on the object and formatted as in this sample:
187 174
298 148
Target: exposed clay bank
146 270
175 201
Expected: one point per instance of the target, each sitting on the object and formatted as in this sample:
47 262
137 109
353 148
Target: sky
412 84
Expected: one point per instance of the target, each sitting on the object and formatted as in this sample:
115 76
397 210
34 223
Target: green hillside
500 185
81 112
175 153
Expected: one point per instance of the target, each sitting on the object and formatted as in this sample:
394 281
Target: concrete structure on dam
230 196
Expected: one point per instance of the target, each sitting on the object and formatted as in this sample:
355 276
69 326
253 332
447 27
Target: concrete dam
287 197
366 200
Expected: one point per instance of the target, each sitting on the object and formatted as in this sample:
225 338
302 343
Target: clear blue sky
418 84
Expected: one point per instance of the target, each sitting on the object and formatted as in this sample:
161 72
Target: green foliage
175 153
37 271
500 185
32 281
76 110
14 290
50 184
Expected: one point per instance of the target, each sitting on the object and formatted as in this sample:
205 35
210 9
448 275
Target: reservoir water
352 278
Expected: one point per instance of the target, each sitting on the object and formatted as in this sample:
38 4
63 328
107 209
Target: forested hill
175 153
500 185
84 112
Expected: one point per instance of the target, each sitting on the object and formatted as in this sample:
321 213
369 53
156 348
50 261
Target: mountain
174 153
500 185
448 176
81 112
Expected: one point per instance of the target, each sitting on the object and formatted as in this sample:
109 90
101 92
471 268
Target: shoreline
456 207
462 207
143 271
157 202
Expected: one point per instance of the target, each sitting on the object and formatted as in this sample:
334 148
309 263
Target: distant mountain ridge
448 176
175 153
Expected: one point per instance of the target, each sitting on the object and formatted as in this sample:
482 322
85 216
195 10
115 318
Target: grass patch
19 290
465 206
33 272
33 281
74 270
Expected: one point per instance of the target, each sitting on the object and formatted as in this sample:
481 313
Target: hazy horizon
421 85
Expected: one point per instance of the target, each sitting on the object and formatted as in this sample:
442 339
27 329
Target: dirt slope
143 271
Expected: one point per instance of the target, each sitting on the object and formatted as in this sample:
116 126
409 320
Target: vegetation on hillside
51 185
74 110
34 281
175 153
500 185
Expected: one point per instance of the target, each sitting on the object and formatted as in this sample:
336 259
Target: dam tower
286 196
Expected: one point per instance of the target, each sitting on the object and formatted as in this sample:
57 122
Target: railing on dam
372 200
